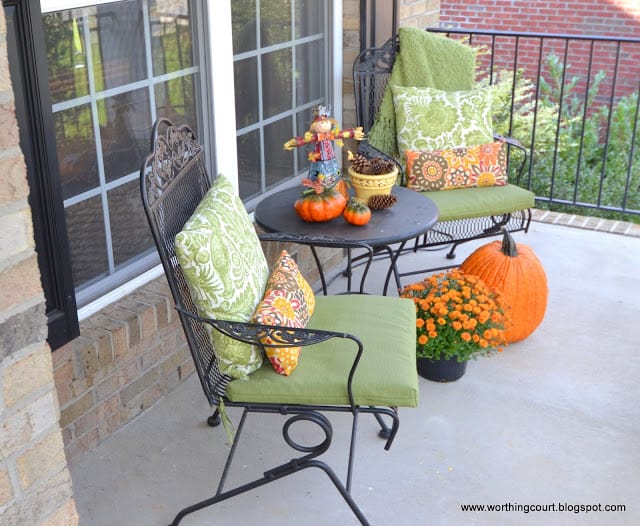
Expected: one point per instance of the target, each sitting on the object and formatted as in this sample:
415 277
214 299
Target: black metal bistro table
412 216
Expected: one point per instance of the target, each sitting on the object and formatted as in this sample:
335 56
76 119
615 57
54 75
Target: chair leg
385 430
214 420
452 252
306 461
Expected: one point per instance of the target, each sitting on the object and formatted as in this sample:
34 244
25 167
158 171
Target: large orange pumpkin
515 271
319 207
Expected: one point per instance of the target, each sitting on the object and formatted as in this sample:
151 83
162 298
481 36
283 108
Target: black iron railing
574 100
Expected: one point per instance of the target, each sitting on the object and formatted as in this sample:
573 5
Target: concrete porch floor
553 419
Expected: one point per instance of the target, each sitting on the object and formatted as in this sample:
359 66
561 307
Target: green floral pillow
224 265
430 119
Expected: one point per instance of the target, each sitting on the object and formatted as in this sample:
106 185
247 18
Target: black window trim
28 71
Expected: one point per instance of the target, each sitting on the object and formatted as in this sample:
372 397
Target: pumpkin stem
509 247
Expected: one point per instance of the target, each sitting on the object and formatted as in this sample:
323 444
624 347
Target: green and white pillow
226 270
430 119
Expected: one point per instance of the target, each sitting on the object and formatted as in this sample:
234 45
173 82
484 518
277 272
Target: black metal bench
510 205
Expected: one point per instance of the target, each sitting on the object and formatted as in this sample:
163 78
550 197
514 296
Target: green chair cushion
466 203
386 375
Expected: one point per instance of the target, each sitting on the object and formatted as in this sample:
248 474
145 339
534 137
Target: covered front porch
552 420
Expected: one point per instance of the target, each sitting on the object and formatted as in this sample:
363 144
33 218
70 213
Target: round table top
410 217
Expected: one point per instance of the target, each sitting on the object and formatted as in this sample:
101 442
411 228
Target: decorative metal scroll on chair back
371 72
173 182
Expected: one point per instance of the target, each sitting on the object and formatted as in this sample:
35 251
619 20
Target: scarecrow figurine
323 131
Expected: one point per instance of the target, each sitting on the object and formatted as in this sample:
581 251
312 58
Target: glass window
114 68
281 70
275 22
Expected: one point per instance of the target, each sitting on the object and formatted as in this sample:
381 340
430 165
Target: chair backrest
173 180
371 71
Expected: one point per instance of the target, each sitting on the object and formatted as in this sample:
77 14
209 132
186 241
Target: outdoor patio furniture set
260 338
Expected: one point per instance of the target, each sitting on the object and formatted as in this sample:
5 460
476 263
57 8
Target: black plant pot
444 370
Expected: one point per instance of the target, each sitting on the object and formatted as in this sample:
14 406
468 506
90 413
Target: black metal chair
371 71
370 340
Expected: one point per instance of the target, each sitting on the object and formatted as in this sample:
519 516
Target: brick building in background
616 18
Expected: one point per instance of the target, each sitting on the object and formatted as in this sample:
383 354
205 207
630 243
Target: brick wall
126 358
618 18
419 13
595 17
35 485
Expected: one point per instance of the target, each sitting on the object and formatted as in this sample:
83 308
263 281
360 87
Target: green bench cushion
466 203
386 374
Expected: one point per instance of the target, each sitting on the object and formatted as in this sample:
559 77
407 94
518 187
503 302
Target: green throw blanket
424 60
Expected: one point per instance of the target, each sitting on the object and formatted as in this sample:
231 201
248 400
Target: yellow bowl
364 186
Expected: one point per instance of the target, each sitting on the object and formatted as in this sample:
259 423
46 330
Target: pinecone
381 166
382 201
360 163
373 166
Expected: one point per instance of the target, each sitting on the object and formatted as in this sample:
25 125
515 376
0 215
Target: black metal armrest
283 337
515 143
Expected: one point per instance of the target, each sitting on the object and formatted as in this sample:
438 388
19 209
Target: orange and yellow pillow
288 301
447 169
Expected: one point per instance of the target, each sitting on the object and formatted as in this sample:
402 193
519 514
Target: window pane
176 100
303 121
87 241
66 55
310 79
248 146
76 146
275 22
170 35
124 128
276 82
103 123
278 161
243 13
130 233
117 44
246 91
309 17
269 94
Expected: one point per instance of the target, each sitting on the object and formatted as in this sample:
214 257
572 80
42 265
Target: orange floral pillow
483 165
288 301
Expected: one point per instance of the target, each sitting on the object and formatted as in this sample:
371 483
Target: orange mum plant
457 315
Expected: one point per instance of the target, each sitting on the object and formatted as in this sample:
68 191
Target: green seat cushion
465 203
386 374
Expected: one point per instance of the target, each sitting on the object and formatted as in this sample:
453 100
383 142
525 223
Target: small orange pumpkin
319 207
356 212
514 270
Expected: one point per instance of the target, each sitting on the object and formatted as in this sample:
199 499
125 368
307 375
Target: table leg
393 267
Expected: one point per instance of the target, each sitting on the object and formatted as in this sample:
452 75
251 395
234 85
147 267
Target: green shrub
571 159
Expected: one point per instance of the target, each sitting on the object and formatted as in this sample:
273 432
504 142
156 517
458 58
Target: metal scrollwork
316 418
280 337
171 152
